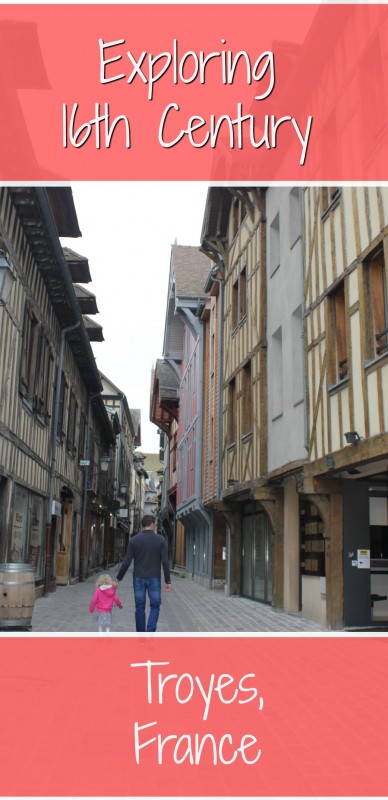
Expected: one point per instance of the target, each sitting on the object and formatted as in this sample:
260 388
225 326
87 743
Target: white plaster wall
284 288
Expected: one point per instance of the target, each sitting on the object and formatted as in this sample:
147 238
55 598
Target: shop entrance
366 548
256 561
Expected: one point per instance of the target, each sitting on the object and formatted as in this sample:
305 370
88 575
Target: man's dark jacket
149 552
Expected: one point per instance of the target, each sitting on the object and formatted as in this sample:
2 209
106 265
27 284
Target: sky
127 232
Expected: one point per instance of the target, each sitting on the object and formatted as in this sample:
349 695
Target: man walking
149 552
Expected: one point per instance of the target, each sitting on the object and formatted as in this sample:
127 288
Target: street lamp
104 462
7 278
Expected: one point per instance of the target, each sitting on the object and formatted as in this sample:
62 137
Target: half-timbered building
125 519
234 236
210 314
50 415
345 539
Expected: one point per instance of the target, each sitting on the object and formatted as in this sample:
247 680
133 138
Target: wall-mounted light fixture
352 437
7 278
104 462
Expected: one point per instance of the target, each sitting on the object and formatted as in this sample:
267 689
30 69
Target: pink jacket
103 599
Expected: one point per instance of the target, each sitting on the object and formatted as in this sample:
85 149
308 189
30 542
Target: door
357 593
257 558
64 544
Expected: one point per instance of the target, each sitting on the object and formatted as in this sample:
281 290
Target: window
276 373
25 544
61 412
339 364
71 424
297 355
231 413
239 298
36 365
29 354
329 194
44 373
236 218
82 437
295 222
246 419
274 245
377 311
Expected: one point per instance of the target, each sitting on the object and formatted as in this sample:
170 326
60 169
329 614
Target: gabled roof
189 268
112 392
136 421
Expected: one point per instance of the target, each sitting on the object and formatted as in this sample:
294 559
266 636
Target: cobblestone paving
189 608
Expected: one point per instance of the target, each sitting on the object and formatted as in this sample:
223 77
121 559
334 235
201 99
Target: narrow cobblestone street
188 607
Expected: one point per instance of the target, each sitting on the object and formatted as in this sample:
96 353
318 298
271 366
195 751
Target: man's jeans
141 586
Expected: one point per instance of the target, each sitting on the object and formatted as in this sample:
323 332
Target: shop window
26 539
339 367
377 307
312 541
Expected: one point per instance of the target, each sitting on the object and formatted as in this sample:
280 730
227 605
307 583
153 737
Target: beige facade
347 371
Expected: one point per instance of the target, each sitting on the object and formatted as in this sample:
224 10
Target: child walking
103 600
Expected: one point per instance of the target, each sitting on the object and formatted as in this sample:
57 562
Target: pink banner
194 717
198 92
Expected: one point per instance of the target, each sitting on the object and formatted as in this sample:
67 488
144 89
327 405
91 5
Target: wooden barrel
17 595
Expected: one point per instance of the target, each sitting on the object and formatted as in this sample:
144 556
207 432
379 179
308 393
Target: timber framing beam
364 452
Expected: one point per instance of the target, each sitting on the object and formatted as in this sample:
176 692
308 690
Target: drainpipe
53 458
208 518
220 282
82 555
